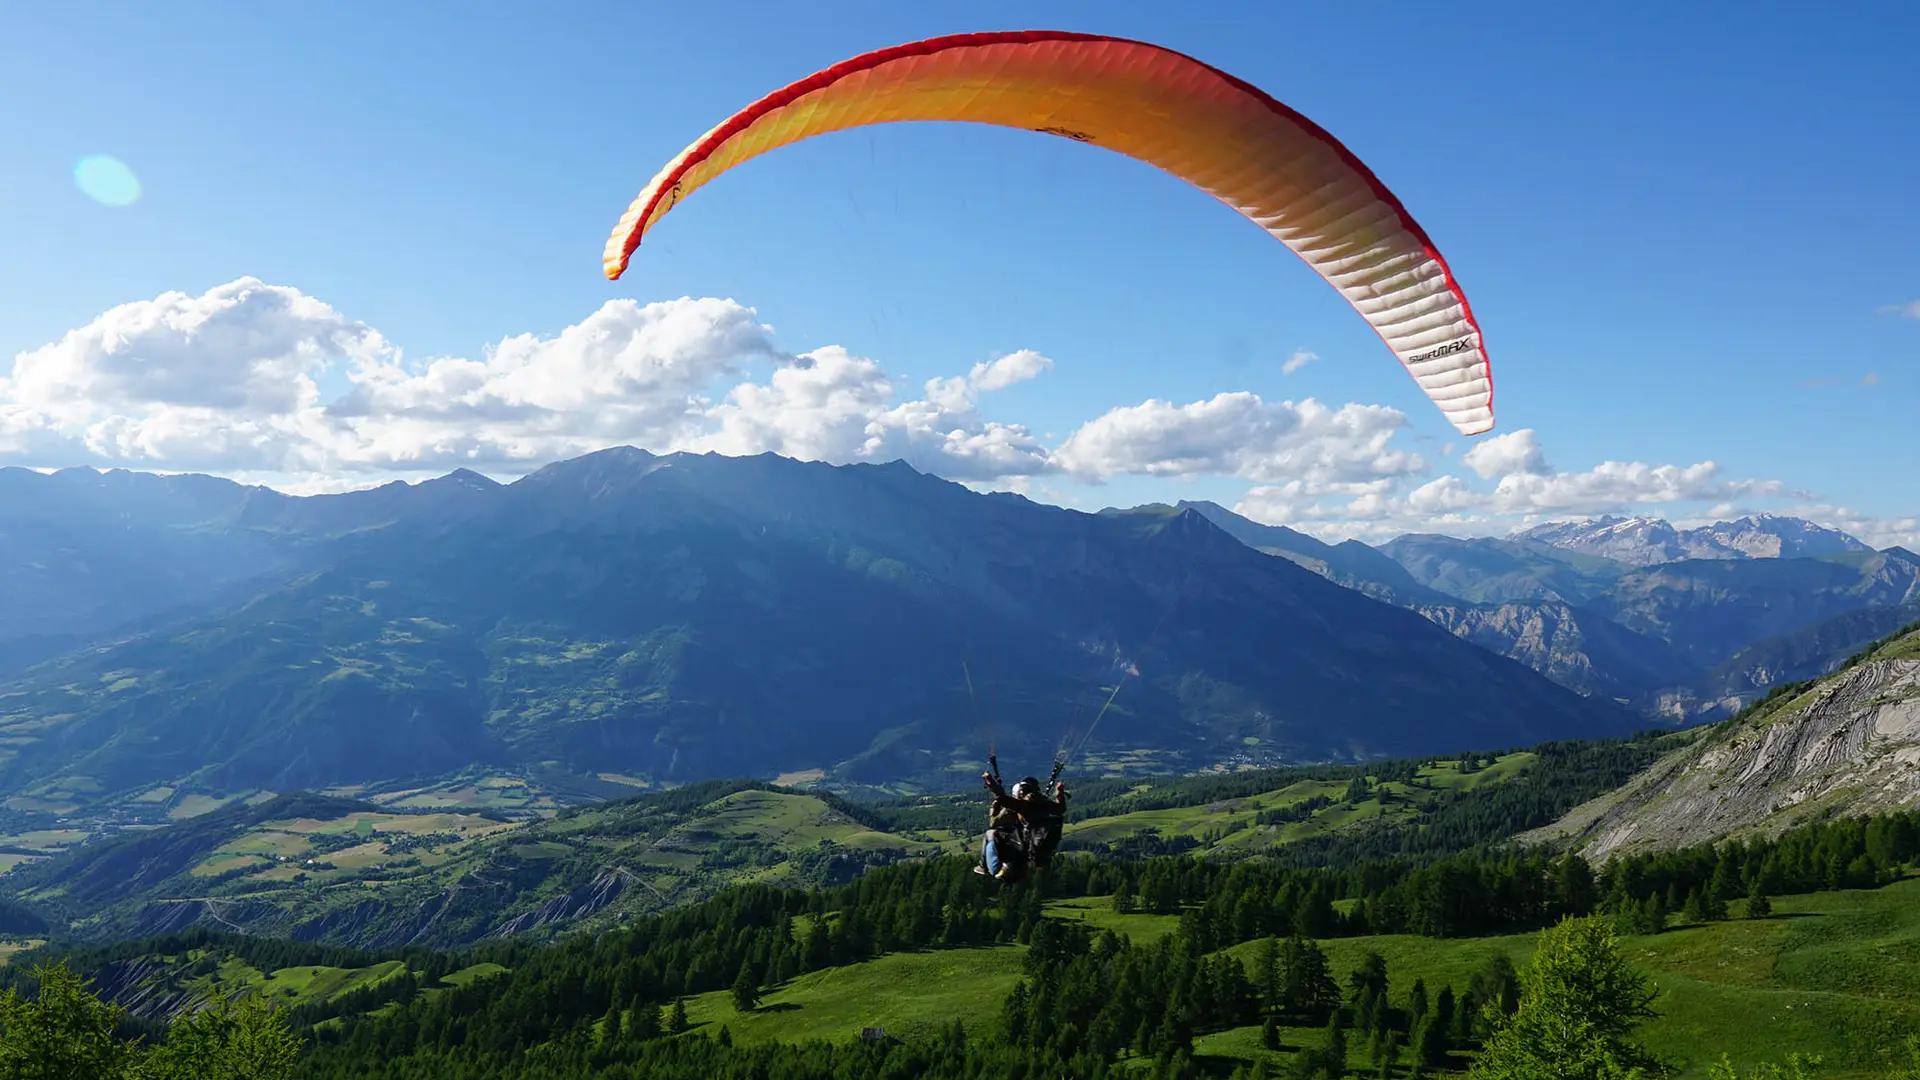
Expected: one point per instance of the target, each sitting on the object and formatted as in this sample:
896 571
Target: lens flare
106 180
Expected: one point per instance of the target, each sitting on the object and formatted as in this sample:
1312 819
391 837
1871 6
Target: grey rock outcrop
603 890
1850 745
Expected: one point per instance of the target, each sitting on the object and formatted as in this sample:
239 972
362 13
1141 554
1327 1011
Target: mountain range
169 643
1648 541
1752 603
684 617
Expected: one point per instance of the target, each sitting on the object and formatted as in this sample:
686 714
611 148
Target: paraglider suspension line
1067 753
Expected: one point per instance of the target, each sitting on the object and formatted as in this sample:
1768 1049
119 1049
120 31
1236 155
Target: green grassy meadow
1229 824
911 995
1833 974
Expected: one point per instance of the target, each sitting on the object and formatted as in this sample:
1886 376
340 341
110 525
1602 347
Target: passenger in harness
1022 828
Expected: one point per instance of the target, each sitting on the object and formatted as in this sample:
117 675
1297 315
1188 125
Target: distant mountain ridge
683 616
688 616
1597 606
1645 541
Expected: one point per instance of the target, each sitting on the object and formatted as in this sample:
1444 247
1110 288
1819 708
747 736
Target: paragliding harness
1022 833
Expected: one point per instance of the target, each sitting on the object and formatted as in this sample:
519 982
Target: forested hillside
1201 966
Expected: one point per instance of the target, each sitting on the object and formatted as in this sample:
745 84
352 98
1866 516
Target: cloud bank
263 382
230 381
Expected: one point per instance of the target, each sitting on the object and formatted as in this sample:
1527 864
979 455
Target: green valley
351 872
399 871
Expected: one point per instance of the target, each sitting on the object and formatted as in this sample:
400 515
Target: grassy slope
301 985
911 995
1835 974
1405 804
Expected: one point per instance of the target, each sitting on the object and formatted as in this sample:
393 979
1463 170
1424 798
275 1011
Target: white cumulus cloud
220 380
1239 434
1301 358
230 381
1526 489
265 384
1015 367
1500 455
833 406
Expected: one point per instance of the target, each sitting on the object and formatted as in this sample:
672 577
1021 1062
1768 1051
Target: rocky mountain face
693 616
1572 646
1650 541
1848 744
1676 640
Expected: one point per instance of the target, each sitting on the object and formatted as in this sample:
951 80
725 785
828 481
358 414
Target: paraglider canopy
1219 133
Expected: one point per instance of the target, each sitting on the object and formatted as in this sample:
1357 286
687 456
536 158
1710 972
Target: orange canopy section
1220 134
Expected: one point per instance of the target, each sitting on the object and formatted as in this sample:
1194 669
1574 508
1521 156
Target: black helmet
1029 782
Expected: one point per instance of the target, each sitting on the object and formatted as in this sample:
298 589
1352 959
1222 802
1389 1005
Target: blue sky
1689 235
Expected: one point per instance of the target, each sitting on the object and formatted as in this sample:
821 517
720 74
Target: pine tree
646 1020
1758 906
1726 879
1014 1014
1653 915
1495 986
1370 975
1579 1001
677 1018
64 1031
68 1033
1433 1042
232 1038
1266 972
1315 917
1306 983
1430 1041
1390 1055
1333 1055
1695 910
746 992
